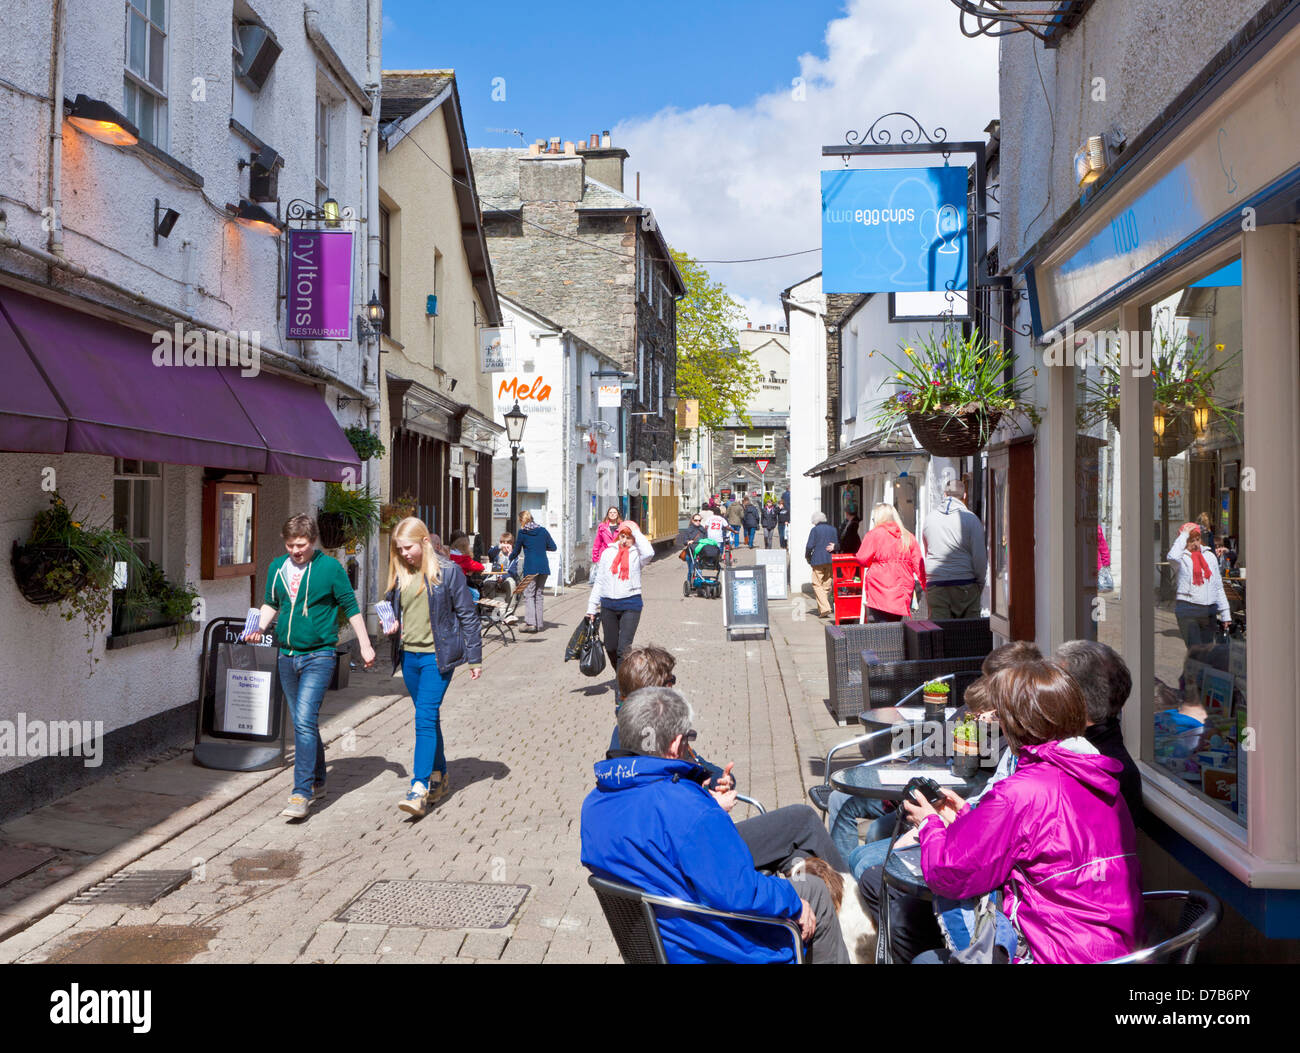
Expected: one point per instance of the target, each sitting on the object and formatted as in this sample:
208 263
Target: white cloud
738 182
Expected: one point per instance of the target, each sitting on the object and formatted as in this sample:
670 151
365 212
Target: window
749 444
322 149
1197 418
385 245
640 372
663 298
650 280
659 388
137 506
144 88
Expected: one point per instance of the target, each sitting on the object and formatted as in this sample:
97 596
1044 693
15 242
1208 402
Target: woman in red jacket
891 561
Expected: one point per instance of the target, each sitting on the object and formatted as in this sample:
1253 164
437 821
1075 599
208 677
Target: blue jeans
872 854
427 685
305 678
735 537
749 536
844 811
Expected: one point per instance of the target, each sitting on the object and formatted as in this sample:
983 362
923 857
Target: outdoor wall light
1201 416
1090 160
254 217
330 212
374 309
102 122
1159 425
163 220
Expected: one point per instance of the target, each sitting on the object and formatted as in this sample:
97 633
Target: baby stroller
703 566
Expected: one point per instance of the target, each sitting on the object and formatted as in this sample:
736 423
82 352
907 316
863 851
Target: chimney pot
594 142
568 148
605 140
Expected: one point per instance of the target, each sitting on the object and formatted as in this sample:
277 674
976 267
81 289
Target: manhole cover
266 866
134 945
436 904
137 887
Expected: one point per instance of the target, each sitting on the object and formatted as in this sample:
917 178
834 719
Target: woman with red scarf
891 561
617 593
1200 588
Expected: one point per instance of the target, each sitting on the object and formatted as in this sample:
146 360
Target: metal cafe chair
631 917
1199 915
821 795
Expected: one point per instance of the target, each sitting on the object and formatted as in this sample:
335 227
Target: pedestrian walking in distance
309 589
955 558
534 542
770 522
822 542
735 520
436 629
750 519
606 534
616 593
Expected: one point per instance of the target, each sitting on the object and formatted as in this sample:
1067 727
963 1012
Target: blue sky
574 74
703 95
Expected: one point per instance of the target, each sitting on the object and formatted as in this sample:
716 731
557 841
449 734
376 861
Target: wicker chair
883 682
844 644
966 637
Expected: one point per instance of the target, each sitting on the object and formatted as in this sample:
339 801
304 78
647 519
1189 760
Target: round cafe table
890 717
863 780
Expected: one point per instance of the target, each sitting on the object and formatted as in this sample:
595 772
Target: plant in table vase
71 564
953 391
347 516
935 696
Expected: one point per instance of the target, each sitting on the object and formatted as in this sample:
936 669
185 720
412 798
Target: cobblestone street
520 745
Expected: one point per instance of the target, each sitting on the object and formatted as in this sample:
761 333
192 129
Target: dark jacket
456 635
782 514
770 519
1109 741
815 553
750 517
534 542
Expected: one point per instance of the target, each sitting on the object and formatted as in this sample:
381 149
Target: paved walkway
520 745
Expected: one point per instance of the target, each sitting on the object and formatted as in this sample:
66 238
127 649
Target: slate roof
403 92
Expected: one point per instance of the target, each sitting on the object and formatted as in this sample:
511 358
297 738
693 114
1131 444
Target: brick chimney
605 162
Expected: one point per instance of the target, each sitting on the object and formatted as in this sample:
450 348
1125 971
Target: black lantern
515 421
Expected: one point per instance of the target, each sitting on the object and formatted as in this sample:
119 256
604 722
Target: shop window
229 548
1199 702
138 506
144 87
1098 541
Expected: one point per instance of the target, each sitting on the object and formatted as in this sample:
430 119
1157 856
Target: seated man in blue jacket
649 823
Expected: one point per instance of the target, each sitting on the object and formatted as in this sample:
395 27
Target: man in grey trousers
956 559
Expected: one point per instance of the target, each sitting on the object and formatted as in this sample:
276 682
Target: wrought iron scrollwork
300 211
877 136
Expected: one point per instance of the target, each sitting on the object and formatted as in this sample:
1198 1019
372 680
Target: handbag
577 640
591 662
1105 581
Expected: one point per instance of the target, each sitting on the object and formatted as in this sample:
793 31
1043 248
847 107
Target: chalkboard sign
745 592
240 724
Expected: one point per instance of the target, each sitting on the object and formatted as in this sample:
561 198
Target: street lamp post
515 421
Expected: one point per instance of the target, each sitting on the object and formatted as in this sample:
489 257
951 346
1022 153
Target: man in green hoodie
309 588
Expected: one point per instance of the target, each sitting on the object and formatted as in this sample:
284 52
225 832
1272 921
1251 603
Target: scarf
1200 569
621 566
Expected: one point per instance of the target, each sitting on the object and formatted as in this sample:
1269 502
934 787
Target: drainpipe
55 189
567 433
371 143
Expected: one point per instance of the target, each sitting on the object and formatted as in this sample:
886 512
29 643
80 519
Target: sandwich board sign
773 561
744 594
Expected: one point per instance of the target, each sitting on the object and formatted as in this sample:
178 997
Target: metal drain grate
436 904
137 887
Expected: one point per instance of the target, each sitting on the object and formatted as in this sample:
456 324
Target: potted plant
365 442
935 694
966 748
392 513
154 603
347 516
953 391
1184 374
69 563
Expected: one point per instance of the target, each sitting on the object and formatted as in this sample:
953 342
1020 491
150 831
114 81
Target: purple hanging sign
320 285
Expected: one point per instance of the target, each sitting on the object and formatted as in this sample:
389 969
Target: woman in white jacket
617 593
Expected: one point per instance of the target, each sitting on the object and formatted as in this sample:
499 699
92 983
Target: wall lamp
371 324
102 122
1090 160
163 220
254 217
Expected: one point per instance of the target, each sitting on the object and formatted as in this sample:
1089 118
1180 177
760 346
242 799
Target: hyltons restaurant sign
320 285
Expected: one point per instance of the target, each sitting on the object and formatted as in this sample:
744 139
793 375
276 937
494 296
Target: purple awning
109 397
31 419
301 436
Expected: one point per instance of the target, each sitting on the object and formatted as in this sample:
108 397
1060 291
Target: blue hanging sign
894 230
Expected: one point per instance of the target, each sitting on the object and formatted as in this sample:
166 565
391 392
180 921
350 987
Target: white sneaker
416 801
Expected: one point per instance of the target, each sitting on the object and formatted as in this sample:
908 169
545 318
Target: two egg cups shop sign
894 230
320 285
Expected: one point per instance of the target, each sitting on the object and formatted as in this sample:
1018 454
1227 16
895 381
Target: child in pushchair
703 566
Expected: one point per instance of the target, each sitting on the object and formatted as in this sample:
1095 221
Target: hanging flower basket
32 566
333 534
949 435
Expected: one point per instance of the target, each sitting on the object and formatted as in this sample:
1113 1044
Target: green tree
710 365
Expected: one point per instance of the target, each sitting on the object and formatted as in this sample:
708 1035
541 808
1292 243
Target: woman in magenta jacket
606 534
1055 836
891 562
